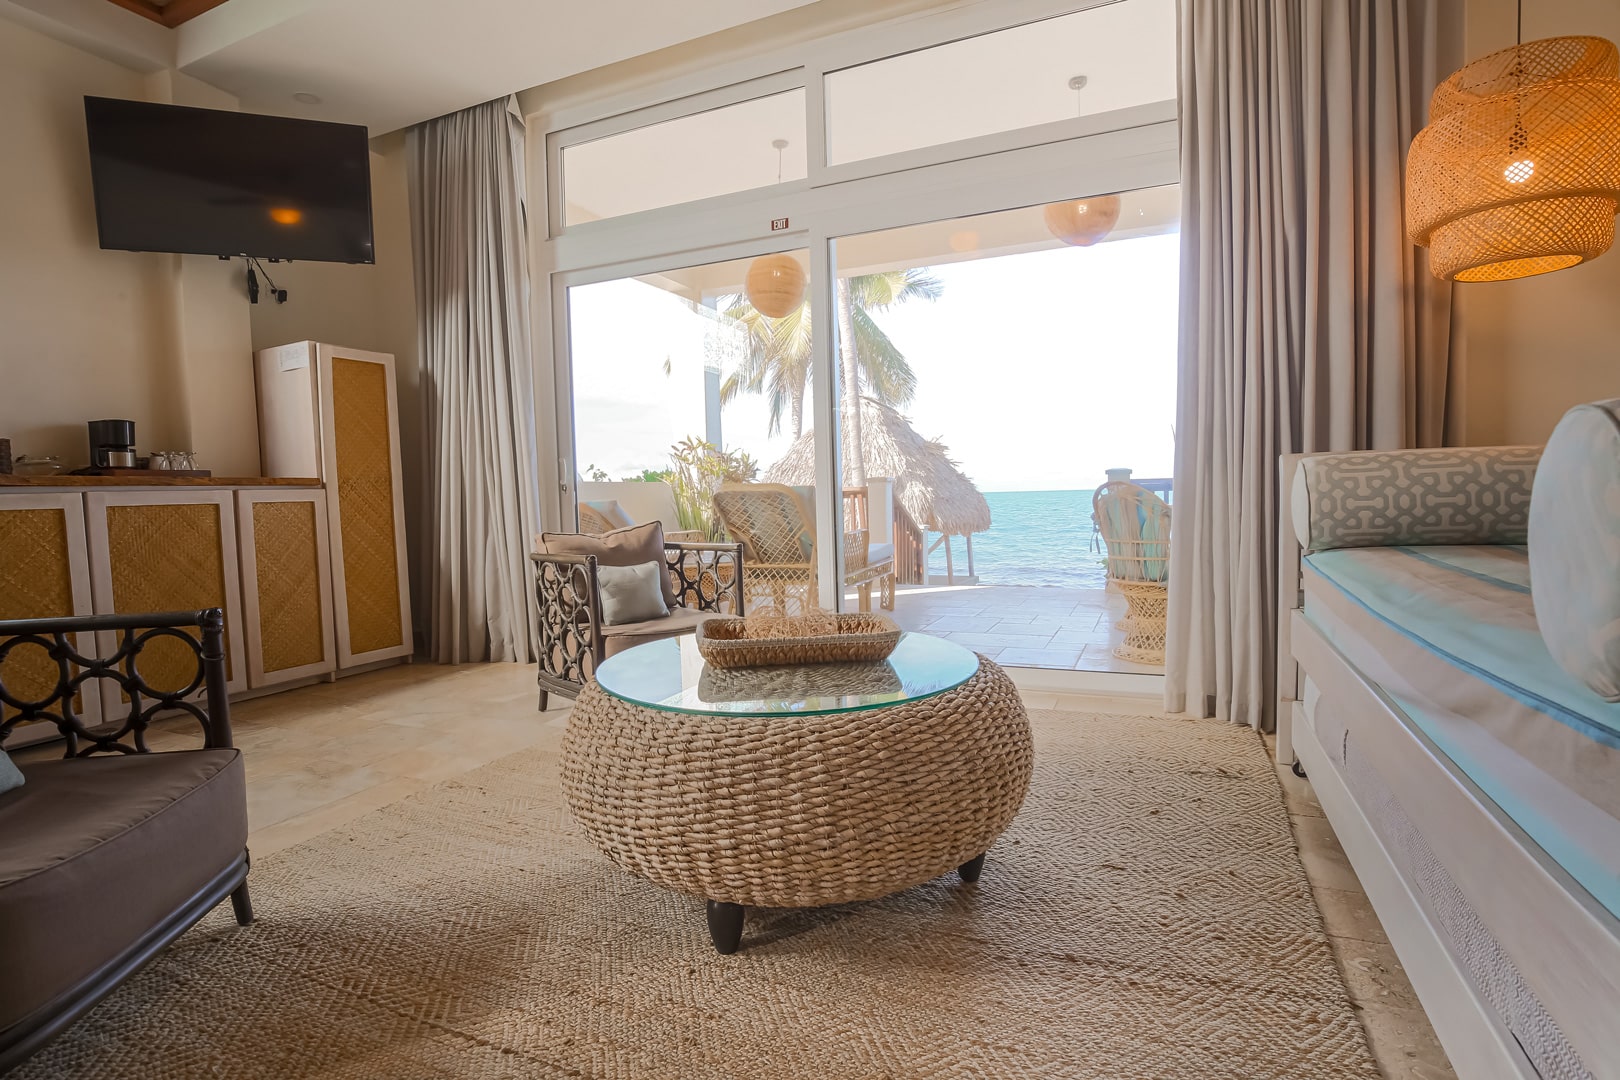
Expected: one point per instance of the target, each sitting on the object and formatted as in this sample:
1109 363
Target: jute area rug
1146 917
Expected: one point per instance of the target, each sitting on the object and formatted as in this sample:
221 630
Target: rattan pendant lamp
775 285
1518 170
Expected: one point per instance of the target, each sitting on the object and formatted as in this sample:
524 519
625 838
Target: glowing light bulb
1519 171
286 215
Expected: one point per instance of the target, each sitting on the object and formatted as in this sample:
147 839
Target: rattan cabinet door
286 585
171 550
44 573
365 501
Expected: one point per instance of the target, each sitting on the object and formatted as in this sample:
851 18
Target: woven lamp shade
1518 171
775 285
1083 222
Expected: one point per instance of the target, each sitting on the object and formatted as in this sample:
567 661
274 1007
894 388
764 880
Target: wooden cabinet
286 584
167 550
333 412
44 573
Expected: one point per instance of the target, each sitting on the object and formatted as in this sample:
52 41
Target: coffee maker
112 444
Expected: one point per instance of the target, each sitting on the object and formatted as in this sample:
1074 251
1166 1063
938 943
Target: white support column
824 398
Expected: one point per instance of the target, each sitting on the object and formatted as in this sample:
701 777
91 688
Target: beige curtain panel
1308 322
472 297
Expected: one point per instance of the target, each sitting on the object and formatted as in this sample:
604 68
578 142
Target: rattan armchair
573 639
776 526
1134 525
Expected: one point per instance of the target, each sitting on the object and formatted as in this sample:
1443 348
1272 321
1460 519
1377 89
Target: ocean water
1035 538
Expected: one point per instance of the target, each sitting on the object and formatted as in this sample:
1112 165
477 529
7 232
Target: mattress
1449 634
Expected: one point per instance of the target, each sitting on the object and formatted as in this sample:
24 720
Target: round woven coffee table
796 786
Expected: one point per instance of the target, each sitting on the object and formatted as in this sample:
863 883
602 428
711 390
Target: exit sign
778 224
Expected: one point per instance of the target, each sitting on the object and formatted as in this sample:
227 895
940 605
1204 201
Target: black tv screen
205 182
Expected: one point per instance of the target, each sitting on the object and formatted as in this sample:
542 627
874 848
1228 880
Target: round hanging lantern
1084 221
775 285
1518 171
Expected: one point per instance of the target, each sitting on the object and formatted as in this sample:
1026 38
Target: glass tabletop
672 675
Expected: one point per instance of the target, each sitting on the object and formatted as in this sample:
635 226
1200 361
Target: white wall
84 333
163 340
1539 345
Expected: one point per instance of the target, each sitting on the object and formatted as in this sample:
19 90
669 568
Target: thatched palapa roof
927 482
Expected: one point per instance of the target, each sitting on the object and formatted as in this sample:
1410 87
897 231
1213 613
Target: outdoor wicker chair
775 524
705 579
1134 525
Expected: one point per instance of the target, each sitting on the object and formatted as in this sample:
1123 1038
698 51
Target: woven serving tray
740 642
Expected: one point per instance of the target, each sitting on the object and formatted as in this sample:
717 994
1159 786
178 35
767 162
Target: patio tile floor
1021 625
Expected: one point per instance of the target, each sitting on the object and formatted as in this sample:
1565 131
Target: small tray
856 636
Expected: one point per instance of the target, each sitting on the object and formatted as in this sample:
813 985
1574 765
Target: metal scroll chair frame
78 673
707 577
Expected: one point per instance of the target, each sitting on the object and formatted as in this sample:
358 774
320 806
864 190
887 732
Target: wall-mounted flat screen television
206 182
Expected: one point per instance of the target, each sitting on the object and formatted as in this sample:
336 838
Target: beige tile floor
321 756
1022 625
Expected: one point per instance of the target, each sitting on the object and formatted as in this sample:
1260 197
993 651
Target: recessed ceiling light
304 97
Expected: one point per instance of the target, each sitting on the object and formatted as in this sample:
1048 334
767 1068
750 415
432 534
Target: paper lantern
775 285
1518 171
1084 221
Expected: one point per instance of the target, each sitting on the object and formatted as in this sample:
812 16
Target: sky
1038 371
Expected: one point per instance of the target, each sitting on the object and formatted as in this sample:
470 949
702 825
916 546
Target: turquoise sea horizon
1035 538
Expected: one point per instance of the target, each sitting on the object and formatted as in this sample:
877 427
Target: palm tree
777 364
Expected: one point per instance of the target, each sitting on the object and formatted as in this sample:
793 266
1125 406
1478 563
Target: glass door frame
989 174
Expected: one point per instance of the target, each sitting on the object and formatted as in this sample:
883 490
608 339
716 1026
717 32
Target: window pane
694 157
1003 81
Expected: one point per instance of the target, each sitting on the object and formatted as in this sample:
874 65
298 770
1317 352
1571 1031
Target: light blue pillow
1575 545
631 594
10 775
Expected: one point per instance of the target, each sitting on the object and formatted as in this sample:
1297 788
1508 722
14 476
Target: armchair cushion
77 888
602 515
621 547
632 594
1575 546
616 639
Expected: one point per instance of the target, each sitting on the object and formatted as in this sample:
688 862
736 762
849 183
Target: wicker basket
735 643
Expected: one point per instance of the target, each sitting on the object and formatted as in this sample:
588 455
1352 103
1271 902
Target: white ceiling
388 63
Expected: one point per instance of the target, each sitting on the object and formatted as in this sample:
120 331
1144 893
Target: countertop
63 480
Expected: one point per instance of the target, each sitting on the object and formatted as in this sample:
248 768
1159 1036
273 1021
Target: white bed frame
1518 906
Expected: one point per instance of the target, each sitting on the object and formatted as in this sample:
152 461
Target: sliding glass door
692 401
998 370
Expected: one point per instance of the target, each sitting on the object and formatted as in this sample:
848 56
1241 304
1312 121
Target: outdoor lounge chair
776 526
1134 525
598 516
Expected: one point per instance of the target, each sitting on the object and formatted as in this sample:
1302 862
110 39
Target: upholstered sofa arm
1393 498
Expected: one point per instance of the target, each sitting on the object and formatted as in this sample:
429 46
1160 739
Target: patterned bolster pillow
1575 546
1395 498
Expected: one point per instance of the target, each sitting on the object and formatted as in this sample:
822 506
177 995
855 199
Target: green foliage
594 473
699 468
651 476
778 361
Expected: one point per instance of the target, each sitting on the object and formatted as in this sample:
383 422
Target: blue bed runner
1449 633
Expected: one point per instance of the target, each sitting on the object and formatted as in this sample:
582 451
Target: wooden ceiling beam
171 14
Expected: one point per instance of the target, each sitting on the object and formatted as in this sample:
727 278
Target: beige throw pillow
621 547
